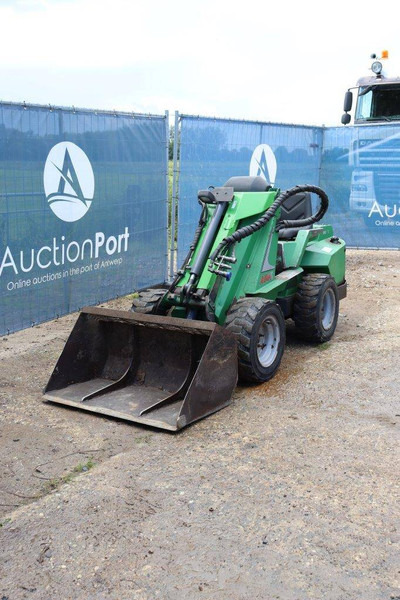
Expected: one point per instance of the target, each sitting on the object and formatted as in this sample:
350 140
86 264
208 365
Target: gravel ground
290 493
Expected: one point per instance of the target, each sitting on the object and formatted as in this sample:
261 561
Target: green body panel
254 272
284 284
315 253
256 259
324 257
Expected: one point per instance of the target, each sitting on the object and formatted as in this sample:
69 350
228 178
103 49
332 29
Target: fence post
167 264
174 249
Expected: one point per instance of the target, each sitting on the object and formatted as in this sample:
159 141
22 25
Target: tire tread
147 300
240 321
306 305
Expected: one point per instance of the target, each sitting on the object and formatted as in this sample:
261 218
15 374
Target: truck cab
378 95
375 151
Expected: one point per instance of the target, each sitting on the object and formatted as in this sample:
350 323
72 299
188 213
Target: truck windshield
378 103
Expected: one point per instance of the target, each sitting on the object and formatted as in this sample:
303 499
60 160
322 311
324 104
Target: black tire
148 302
248 320
316 307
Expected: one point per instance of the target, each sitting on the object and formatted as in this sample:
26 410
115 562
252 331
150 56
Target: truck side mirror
348 101
346 118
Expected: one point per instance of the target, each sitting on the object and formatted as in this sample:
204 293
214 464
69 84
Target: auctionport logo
68 181
263 163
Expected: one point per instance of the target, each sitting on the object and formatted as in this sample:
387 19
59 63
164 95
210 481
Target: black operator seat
294 208
246 183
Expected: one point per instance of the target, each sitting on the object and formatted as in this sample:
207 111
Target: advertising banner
360 171
83 209
213 150
358 166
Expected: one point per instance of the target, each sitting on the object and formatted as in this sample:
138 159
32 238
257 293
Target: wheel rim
269 336
328 309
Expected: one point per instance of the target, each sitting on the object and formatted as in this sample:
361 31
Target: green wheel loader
259 256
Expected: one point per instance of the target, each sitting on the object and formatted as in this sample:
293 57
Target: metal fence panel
360 171
212 150
83 209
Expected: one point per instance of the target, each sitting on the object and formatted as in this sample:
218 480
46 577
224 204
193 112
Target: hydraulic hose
197 234
247 230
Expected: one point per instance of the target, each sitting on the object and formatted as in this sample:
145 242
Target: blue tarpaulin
83 195
83 209
358 166
360 170
213 150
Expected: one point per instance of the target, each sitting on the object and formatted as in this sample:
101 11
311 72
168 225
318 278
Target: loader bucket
160 371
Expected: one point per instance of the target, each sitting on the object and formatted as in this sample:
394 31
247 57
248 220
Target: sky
287 62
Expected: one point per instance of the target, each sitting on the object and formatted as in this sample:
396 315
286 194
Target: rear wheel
148 302
259 327
316 307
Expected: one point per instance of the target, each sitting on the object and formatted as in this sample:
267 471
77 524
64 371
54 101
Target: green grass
81 468
2 523
323 346
56 482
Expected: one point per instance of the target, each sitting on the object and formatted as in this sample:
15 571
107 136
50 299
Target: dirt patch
292 492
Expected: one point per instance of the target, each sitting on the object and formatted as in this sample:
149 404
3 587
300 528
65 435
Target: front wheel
259 327
316 307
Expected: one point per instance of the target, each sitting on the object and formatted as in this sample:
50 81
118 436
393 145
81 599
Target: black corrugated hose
247 230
